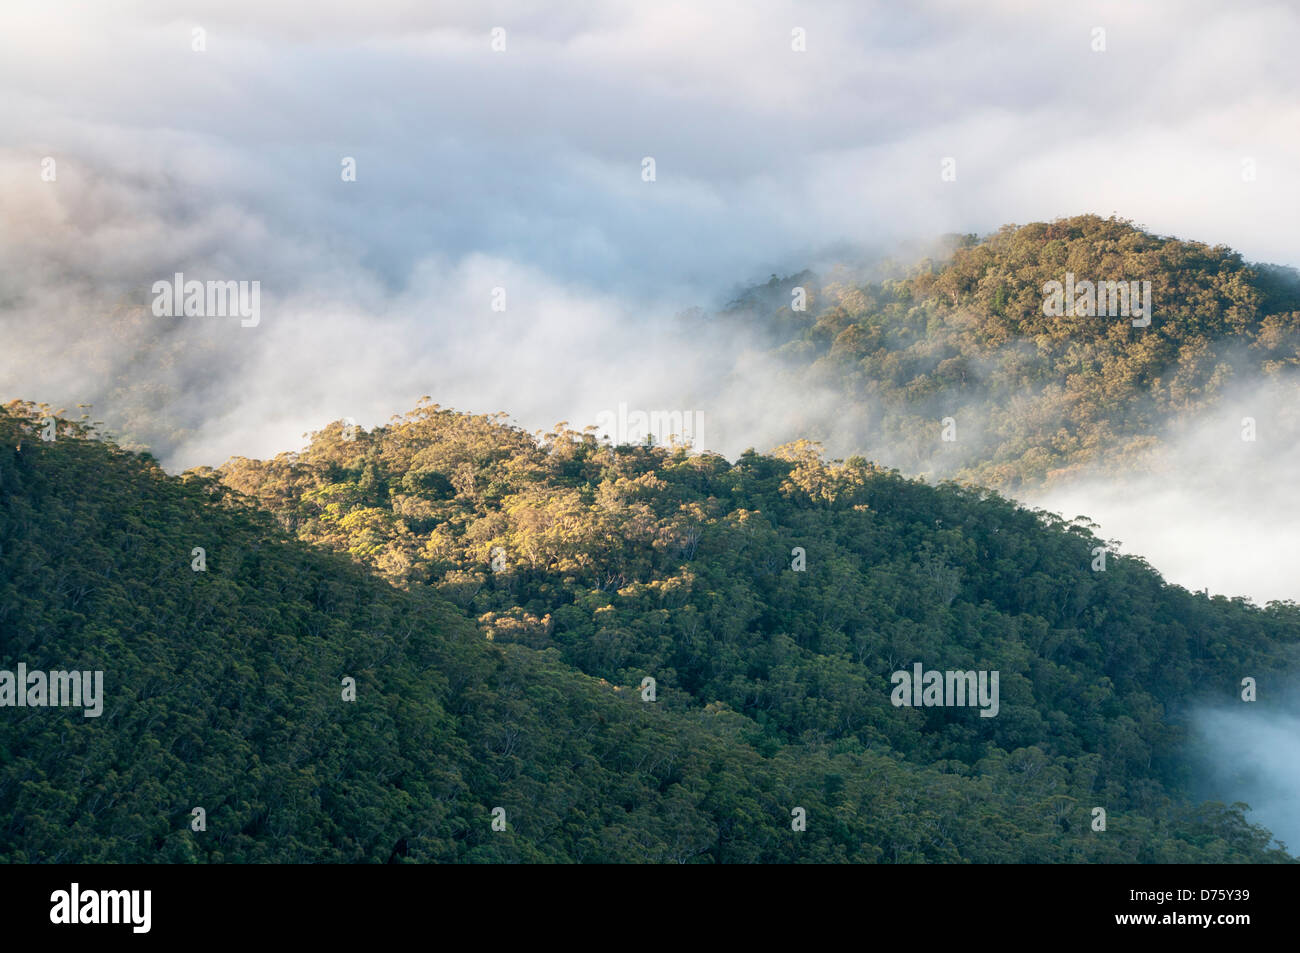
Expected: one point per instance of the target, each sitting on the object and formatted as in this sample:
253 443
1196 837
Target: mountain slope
632 561
223 692
1033 397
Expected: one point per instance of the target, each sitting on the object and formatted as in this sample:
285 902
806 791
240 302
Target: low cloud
1253 757
1215 507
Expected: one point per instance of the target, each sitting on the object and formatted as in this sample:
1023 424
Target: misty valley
447 638
613 435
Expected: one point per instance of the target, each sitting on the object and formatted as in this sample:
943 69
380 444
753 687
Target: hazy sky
522 169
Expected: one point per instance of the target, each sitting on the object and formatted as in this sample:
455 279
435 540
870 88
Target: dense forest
499 600
1034 397
448 639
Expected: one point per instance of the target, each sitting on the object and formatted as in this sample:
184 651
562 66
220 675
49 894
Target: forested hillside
1033 396
223 686
501 599
628 562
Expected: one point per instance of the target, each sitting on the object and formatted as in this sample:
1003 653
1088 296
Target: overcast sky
522 169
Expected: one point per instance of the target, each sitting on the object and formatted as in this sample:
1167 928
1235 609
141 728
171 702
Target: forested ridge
1035 397
518 688
501 597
